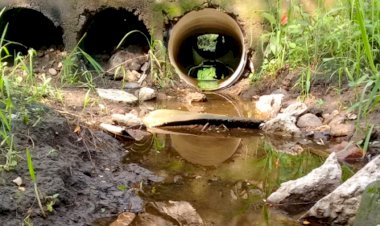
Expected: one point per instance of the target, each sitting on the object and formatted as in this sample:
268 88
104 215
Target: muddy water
226 175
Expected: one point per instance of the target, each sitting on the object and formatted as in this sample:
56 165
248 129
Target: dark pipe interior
30 28
224 54
106 28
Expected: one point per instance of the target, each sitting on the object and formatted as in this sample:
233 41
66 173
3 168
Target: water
225 174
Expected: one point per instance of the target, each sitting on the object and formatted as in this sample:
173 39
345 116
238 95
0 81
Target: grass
338 45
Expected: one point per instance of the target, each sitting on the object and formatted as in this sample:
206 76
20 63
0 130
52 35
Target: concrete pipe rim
203 21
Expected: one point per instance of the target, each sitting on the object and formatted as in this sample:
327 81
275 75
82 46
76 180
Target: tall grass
339 45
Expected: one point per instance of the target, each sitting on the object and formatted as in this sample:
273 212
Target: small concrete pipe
207 21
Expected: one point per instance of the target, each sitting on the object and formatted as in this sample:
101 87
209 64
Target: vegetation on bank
340 45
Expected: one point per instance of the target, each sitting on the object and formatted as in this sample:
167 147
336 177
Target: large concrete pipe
203 22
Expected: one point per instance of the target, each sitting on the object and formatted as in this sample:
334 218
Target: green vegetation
338 45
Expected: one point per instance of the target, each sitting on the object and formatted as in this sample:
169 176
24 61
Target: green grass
339 45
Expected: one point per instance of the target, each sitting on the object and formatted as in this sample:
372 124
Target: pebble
52 71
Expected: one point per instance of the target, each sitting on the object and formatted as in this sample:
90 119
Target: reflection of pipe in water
205 150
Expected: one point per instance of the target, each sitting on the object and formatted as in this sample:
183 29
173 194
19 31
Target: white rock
298 195
52 71
127 119
295 109
18 181
340 206
117 95
117 130
269 105
146 94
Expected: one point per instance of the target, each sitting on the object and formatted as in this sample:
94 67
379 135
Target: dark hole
204 55
106 28
31 29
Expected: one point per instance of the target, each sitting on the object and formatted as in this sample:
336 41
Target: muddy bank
83 167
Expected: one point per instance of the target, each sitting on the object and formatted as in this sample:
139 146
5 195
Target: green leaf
30 166
270 18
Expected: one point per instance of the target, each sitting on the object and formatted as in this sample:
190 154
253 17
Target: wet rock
341 128
124 219
128 119
137 134
348 152
52 71
309 121
369 209
117 95
297 195
268 106
284 123
195 97
146 94
340 206
182 212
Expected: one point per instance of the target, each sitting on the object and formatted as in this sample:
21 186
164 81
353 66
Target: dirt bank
83 167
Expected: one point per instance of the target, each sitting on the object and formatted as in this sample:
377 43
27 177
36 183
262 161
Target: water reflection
204 150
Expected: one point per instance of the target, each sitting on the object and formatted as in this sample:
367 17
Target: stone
132 76
117 95
295 109
52 71
183 212
195 97
124 219
282 125
369 209
341 128
268 106
290 148
348 152
131 59
146 94
117 130
341 205
128 119
298 195
309 121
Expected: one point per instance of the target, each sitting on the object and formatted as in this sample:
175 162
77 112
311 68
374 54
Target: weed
34 180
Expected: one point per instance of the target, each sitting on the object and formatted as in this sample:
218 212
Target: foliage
341 44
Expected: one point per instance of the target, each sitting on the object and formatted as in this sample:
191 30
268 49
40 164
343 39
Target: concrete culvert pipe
207 49
31 29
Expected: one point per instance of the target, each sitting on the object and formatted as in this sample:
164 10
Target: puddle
225 175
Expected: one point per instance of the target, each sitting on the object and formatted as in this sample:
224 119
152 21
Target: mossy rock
369 210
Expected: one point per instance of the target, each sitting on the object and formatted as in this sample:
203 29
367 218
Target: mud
83 167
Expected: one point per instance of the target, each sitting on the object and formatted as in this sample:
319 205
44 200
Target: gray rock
340 206
127 119
268 106
297 195
369 209
146 94
284 124
117 95
309 121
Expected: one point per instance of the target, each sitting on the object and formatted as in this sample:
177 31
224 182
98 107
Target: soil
83 167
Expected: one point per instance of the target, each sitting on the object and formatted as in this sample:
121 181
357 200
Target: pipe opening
207 49
30 28
107 27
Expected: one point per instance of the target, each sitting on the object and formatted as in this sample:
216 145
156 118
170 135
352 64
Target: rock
268 106
195 97
369 209
283 125
149 219
295 109
132 76
130 59
128 119
146 94
182 212
117 130
137 134
297 195
340 206
347 152
340 128
52 71
124 219
309 121
18 181
117 95
291 148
